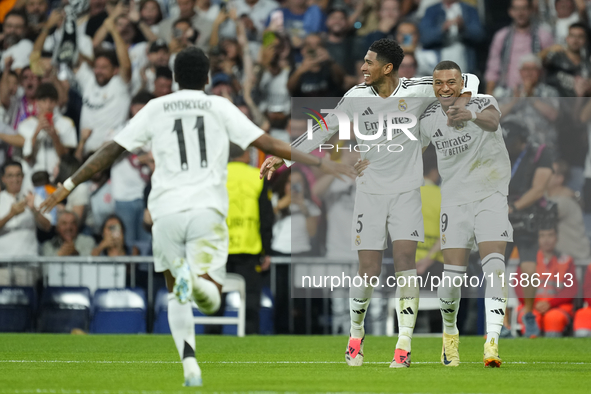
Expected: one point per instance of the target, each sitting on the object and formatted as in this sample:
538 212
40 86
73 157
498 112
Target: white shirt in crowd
454 48
190 134
290 234
340 202
470 159
20 53
47 158
18 237
276 97
103 107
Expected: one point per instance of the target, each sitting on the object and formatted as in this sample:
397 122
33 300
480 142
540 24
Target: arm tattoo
101 159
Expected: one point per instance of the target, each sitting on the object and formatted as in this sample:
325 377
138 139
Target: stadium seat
267 312
119 311
232 310
17 309
63 309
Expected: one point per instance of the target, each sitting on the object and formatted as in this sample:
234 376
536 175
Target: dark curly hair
388 51
191 67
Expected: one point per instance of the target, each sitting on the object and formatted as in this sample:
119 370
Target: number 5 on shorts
359 224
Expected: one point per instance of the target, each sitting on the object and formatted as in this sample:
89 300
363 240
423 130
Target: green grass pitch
148 364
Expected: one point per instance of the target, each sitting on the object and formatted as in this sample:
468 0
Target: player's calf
206 295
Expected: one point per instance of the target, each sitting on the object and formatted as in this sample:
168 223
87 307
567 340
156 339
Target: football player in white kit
388 200
190 134
475 173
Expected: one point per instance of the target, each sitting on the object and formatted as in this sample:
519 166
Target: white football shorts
479 221
376 215
199 236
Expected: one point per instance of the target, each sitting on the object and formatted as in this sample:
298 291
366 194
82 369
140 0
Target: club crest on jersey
443 239
402 106
358 241
460 126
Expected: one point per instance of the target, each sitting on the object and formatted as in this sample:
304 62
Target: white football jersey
190 134
396 165
473 163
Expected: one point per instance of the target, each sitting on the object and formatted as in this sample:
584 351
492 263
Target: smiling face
66 227
373 70
447 85
13 179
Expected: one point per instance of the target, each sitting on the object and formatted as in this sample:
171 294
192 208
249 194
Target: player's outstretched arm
100 160
283 150
487 120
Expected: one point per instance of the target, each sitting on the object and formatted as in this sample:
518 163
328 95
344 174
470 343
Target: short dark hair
530 3
182 20
447 65
11 163
562 168
191 68
18 13
163 72
580 25
388 51
46 91
142 97
336 9
110 55
40 178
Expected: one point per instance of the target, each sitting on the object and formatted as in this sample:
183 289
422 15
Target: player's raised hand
337 169
270 165
55 198
360 166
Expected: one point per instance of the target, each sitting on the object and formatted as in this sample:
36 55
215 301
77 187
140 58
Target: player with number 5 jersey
190 133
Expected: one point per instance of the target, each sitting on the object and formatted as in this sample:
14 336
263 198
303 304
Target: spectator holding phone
113 243
49 135
318 75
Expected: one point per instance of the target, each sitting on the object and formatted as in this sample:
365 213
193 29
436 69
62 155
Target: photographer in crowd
531 169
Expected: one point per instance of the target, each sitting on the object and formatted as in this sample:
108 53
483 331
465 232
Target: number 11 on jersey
200 127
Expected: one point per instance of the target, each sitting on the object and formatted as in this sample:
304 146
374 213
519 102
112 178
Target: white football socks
450 293
407 307
358 304
206 295
495 301
180 320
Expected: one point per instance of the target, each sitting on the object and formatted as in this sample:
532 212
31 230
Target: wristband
473 115
68 184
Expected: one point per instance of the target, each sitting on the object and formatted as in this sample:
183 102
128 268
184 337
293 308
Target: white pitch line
272 362
67 391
